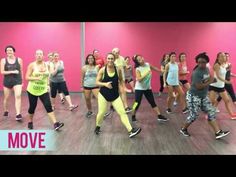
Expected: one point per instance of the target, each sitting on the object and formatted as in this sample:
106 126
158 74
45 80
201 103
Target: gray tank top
59 76
12 78
90 77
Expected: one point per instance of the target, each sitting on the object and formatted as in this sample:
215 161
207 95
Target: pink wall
27 37
153 39
149 39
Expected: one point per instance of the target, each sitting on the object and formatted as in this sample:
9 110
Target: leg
123 94
87 95
161 84
54 88
102 108
95 92
150 98
7 93
194 105
181 96
32 106
227 102
17 90
229 88
138 99
170 97
119 107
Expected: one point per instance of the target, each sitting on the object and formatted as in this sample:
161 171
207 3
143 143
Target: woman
228 87
171 80
88 81
108 79
12 69
197 97
164 61
58 82
219 86
38 76
129 74
143 86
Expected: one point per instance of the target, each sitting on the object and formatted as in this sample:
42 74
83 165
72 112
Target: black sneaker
221 134
134 118
18 117
184 132
89 114
168 111
128 110
5 114
58 125
185 110
30 125
134 132
97 130
162 118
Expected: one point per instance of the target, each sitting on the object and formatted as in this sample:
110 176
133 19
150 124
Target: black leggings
45 99
149 96
161 84
229 88
61 86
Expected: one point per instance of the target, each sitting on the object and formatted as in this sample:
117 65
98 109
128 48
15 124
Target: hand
108 85
164 85
15 72
228 82
39 78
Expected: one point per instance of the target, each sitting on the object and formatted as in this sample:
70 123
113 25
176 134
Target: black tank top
110 94
12 77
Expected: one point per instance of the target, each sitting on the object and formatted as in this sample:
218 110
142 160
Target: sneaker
5 114
97 130
175 103
134 118
162 118
168 111
18 117
89 114
128 110
185 110
221 134
134 132
184 132
73 107
30 125
63 100
233 117
58 125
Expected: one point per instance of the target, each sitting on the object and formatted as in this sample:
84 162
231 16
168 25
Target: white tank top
222 74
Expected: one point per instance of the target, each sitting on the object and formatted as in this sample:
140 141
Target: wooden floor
77 136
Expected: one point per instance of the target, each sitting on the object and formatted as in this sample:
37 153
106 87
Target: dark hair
182 53
217 57
164 56
172 53
10 46
201 55
86 60
136 63
111 54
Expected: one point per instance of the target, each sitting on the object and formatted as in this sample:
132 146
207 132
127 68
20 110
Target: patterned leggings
195 104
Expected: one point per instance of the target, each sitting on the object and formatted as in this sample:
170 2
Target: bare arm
53 68
21 67
82 75
140 77
155 68
165 73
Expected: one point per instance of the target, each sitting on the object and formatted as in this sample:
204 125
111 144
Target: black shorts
216 89
183 81
10 85
90 88
128 80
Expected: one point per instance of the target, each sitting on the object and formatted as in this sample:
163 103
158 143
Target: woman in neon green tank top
38 76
